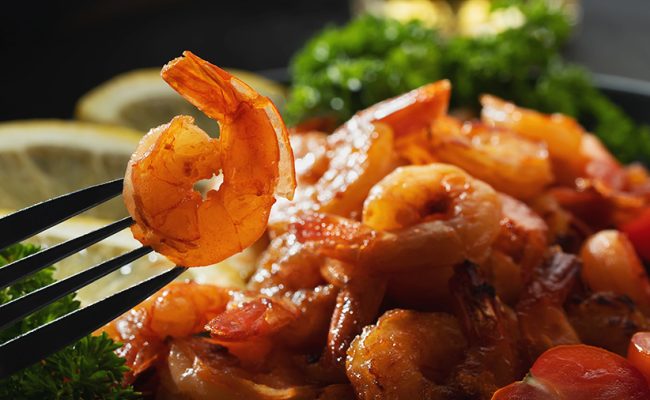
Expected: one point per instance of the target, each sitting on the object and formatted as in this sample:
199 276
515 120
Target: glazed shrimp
253 153
198 370
492 359
287 265
510 163
606 320
406 355
449 218
178 310
543 322
611 264
361 152
562 134
518 249
357 305
442 196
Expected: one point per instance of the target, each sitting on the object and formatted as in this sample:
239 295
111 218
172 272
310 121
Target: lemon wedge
42 159
141 100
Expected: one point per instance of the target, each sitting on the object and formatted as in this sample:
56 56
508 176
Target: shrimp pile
422 256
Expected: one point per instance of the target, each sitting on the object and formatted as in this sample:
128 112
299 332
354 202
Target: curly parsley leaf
343 70
88 369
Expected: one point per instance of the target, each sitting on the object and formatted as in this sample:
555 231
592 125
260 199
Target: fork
40 342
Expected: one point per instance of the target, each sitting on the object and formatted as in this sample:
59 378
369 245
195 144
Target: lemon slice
140 99
41 159
232 272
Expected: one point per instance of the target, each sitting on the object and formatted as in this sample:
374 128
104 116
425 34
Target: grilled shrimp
562 134
418 216
511 163
253 154
178 310
606 320
198 370
611 264
452 203
543 322
361 152
492 357
406 355
518 249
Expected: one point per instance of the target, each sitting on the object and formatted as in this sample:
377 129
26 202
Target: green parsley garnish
343 70
88 369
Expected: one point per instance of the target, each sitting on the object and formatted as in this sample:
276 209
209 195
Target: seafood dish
409 254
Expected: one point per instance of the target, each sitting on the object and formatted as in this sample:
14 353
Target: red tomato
638 231
528 389
638 354
579 372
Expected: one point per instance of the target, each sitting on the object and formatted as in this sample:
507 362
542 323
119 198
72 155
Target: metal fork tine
37 344
19 308
19 269
32 220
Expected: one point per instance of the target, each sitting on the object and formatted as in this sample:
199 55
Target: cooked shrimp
411 111
562 134
310 152
437 194
433 243
492 359
611 264
198 370
362 152
358 160
518 249
564 229
357 305
254 325
253 154
178 310
606 320
287 265
510 163
406 355
543 322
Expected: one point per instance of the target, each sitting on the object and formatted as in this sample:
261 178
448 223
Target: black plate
631 94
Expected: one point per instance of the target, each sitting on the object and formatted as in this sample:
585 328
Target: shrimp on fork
253 154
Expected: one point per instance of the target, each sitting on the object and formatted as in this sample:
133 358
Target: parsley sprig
88 369
343 70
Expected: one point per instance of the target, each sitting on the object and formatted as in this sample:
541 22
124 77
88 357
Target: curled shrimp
611 264
440 195
361 152
178 310
253 154
447 218
509 162
562 134
406 355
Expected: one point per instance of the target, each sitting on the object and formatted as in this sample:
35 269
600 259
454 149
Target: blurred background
55 51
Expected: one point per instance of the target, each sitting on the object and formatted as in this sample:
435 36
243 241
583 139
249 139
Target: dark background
54 51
